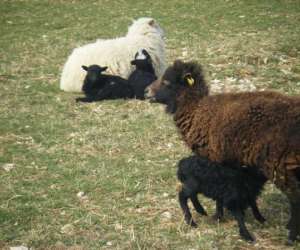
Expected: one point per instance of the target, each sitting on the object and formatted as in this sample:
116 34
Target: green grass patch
123 154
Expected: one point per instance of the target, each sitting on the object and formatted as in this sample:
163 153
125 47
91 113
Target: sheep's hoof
290 242
261 220
217 217
248 238
79 99
204 213
292 238
193 224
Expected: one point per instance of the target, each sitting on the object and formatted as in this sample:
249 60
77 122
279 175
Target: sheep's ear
151 22
133 62
188 79
85 67
145 52
104 68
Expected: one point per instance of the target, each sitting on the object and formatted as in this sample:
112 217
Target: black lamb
233 188
143 75
98 86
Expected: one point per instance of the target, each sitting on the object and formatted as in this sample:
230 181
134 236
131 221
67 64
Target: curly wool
233 188
116 54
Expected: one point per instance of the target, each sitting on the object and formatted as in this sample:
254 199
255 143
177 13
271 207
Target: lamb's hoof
290 242
261 220
248 237
217 217
204 213
292 238
193 224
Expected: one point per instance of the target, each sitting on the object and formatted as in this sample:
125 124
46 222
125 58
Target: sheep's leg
197 205
238 215
219 210
183 198
84 99
256 212
294 222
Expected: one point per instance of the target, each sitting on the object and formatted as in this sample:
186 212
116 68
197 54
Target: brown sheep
256 129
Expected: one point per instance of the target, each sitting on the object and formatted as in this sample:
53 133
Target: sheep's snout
151 90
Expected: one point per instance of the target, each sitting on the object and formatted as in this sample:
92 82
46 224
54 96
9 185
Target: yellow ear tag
190 80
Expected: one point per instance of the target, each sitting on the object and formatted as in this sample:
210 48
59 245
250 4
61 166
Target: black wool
235 188
98 86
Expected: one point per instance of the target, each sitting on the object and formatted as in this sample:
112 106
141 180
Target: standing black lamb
98 86
143 75
233 188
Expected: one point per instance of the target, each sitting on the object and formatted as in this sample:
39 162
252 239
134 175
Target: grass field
122 154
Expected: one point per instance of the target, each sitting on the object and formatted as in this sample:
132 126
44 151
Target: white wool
144 33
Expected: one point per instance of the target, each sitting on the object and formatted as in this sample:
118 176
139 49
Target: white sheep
144 33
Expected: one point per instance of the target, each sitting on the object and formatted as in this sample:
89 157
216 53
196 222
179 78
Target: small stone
19 248
109 243
80 194
166 215
118 227
215 81
67 229
8 166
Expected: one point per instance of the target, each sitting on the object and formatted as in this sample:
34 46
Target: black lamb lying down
98 86
143 75
233 188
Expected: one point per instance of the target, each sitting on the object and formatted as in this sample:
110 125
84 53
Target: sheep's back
246 129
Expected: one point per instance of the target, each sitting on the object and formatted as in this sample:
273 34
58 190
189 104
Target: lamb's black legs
242 227
294 221
197 205
183 198
256 212
219 210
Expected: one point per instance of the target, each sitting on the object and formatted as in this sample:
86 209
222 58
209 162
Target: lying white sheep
144 33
